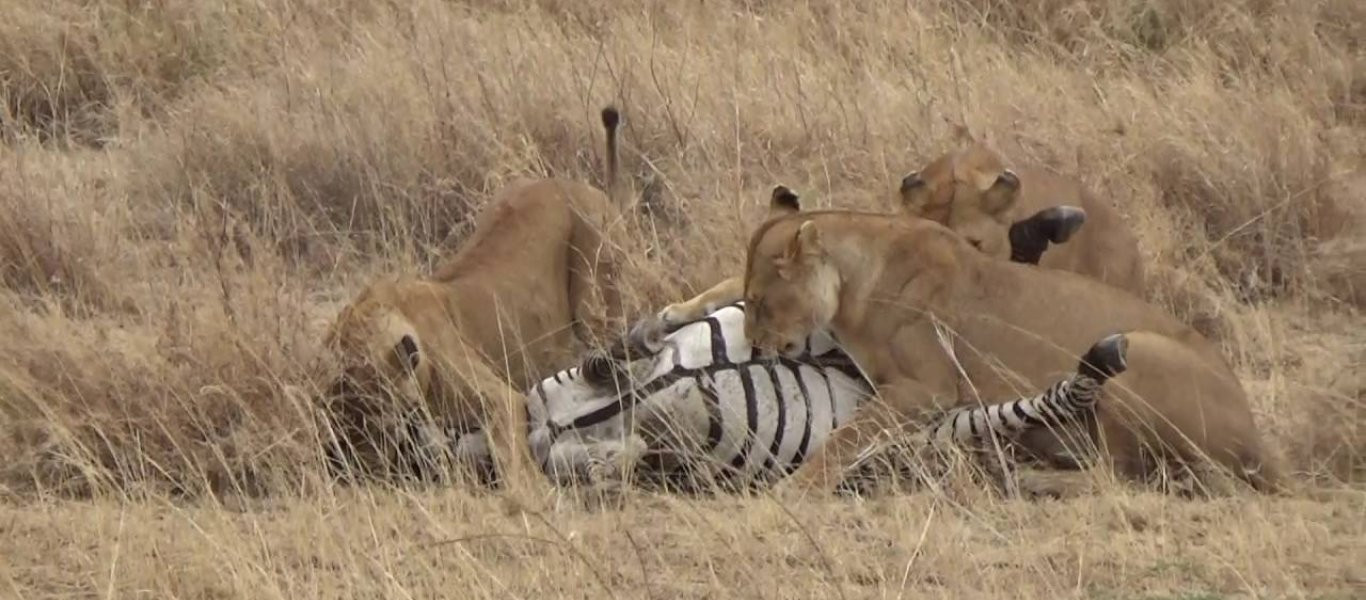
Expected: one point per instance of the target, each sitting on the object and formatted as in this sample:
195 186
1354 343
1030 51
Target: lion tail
610 119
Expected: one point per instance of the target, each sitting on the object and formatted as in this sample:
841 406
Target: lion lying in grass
1031 238
934 323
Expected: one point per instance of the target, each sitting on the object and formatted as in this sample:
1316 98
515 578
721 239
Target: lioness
502 311
973 193
1029 240
931 321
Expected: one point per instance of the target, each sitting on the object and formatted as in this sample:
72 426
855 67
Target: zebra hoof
1106 358
1059 223
647 334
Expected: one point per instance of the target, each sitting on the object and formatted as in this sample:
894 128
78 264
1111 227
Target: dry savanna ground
189 189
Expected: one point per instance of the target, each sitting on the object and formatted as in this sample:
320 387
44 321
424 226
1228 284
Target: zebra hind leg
887 465
994 463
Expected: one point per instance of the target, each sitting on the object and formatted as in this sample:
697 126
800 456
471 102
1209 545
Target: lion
1030 239
935 323
462 343
972 192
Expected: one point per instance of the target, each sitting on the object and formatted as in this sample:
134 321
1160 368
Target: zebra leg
1105 359
1055 484
1056 408
887 461
1119 444
1070 444
1030 237
976 429
1069 441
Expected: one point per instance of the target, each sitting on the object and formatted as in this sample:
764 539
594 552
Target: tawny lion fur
493 318
782 202
972 192
785 202
880 283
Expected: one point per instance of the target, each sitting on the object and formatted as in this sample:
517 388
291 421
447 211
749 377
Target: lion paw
672 314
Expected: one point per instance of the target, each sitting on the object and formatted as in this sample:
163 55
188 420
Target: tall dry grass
190 189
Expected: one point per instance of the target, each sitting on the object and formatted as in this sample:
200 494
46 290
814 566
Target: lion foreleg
648 331
726 292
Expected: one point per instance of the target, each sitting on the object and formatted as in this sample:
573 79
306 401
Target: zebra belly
677 419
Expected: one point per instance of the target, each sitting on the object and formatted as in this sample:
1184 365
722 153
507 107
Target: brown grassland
190 189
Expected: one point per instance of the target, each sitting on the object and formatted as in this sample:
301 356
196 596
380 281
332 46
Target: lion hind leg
594 270
1182 403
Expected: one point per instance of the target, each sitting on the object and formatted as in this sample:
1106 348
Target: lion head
382 375
791 289
971 192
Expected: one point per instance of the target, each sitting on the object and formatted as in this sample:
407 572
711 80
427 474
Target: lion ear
406 352
1002 193
915 193
783 202
807 242
804 246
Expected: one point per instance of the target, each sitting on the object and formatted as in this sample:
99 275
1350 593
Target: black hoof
1106 358
1059 223
647 335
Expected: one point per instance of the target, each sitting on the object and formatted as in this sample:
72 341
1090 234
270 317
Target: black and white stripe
1063 401
704 401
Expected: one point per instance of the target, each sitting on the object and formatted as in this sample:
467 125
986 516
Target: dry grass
188 189
449 544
